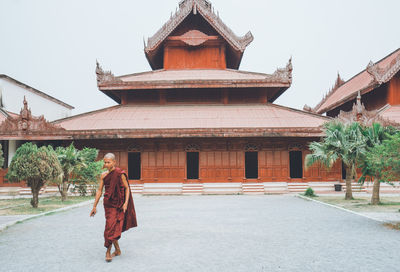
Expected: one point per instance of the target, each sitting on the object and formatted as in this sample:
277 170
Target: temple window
251 164
134 163
296 164
192 165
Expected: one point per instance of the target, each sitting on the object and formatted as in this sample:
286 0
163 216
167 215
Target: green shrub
310 192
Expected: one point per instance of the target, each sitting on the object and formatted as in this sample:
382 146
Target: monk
118 205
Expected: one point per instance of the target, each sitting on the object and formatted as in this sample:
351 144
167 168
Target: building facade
12 94
195 118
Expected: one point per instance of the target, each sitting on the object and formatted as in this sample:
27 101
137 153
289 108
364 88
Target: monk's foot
108 257
116 253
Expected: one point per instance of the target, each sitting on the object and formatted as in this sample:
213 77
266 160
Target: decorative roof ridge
25 123
205 9
383 75
361 115
284 74
84 113
338 83
105 76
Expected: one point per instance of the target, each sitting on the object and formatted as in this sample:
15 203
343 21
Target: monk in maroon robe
118 205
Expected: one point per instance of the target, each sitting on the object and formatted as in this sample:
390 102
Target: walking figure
118 205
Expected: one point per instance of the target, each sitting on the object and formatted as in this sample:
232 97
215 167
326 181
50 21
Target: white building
12 93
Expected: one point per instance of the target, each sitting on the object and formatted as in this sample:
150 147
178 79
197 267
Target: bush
309 192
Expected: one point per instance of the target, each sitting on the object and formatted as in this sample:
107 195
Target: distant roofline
36 91
349 97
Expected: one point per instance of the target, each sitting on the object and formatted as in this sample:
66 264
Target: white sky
53 45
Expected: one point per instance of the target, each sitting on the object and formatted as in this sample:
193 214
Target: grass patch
362 204
23 206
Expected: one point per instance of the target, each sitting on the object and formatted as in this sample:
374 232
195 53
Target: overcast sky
53 45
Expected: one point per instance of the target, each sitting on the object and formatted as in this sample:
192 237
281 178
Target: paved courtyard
207 233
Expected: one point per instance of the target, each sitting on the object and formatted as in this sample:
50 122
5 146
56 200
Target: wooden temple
195 117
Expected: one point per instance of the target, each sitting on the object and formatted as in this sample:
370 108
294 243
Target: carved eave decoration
194 38
204 8
383 75
361 115
284 75
25 123
105 77
192 148
252 147
338 83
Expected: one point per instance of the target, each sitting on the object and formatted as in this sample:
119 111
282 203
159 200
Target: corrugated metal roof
193 116
194 74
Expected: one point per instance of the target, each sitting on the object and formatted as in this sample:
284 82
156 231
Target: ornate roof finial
105 76
284 73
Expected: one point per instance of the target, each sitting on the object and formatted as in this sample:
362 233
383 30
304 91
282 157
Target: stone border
343 209
28 217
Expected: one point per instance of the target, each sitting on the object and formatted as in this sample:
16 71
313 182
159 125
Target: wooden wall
197 96
199 57
220 160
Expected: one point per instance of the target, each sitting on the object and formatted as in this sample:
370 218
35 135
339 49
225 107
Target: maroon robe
114 198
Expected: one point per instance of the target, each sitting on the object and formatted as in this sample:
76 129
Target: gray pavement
207 233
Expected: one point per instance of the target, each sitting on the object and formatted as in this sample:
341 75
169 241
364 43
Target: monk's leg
117 251
108 254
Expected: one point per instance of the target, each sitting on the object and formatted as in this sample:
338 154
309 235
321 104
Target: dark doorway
251 165
192 165
296 164
134 165
343 171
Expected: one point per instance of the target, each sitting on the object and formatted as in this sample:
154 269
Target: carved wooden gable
25 123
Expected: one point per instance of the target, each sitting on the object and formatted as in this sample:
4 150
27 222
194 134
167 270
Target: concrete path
207 233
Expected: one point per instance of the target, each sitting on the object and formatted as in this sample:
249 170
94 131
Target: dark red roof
367 80
196 120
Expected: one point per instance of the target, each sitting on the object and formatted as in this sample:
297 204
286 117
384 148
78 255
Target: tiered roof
204 8
196 78
135 121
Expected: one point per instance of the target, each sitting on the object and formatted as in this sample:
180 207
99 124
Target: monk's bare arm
127 191
98 194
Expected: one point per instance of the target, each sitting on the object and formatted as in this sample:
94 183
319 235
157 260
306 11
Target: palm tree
344 142
373 163
70 159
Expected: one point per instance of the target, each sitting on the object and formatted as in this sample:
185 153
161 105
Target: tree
345 142
36 166
1 157
89 172
381 162
78 166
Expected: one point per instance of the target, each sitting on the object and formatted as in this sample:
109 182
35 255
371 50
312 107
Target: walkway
207 233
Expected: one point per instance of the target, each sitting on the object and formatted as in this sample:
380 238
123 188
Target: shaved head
110 156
